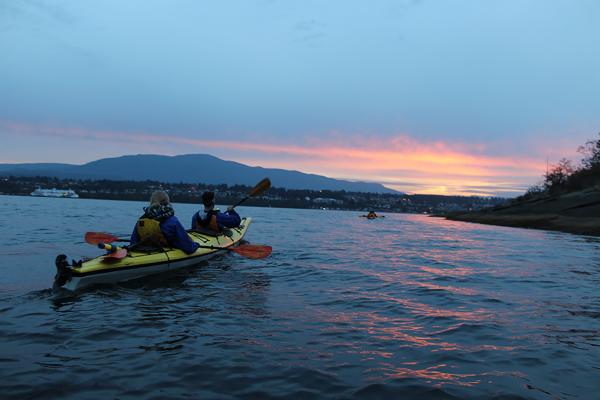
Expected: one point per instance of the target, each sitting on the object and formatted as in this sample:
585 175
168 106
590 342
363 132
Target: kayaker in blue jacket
212 218
160 227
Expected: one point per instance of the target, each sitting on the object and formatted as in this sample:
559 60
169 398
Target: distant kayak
371 217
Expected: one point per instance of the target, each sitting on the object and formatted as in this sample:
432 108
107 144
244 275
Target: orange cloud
400 162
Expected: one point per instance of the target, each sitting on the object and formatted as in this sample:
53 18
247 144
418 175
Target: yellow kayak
137 264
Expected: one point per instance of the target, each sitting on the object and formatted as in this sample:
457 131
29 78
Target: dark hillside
189 168
568 200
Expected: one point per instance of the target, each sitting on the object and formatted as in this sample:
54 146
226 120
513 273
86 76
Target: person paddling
160 227
212 218
371 214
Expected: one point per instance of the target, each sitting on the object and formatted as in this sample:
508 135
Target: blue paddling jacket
171 230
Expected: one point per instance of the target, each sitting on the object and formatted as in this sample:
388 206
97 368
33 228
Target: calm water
344 308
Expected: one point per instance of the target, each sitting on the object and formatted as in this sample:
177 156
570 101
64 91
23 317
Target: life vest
148 230
210 221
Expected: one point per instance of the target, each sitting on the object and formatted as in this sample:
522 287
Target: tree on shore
559 175
591 154
564 176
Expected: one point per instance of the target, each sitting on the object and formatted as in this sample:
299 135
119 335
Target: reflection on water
434 375
458 272
406 307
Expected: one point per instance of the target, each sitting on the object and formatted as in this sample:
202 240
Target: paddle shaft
113 251
240 202
245 250
260 188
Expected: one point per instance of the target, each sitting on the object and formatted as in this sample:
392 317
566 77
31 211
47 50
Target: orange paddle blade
119 254
115 252
260 187
253 251
99 237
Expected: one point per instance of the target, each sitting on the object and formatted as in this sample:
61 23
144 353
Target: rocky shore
575 212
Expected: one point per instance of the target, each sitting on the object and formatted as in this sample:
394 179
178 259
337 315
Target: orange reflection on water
401 330
433 286
397 333
425 310
370 353
459 271
387 328
433 375
484 347
400 277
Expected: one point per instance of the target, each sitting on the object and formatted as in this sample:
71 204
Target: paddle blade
99 237
260 187
116 255
253 251
114 252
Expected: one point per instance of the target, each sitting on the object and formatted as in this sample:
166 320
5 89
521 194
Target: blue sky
423 96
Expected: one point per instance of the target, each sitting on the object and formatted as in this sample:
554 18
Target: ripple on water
409 307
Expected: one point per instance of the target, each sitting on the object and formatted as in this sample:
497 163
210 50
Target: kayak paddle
101 237
260 188
113 251
252 251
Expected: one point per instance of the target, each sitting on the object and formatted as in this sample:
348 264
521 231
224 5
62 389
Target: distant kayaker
212 218
371 214
160 227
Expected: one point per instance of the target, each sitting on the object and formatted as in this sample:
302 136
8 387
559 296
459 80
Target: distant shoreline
575 212
589 226
276 197
551 222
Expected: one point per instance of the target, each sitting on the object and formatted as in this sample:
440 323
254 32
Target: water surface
344 308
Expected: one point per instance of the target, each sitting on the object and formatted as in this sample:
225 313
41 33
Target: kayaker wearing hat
160 227
212 218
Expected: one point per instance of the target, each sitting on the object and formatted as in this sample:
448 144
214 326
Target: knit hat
159 197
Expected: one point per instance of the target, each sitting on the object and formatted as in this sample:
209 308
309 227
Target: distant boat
55 193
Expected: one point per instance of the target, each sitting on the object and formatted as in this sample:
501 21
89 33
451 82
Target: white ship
55 193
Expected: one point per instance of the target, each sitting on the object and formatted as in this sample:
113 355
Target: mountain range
188 168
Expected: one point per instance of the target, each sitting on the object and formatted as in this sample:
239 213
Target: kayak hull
135 265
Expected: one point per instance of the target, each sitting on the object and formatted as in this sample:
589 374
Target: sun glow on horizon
402 162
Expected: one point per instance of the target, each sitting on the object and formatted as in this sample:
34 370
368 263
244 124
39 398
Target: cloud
38 11
309 32
401 162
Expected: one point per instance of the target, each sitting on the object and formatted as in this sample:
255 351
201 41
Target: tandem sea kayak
138 263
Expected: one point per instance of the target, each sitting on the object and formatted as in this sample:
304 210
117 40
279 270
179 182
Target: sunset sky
446 97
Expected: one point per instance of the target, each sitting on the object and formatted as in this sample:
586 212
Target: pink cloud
402 161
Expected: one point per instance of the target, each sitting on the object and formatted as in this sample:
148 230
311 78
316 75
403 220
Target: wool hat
159 197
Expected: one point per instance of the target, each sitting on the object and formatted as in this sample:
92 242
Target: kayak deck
139 263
